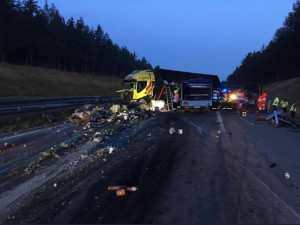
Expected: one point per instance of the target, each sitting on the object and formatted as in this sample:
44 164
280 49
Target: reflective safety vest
176 97
264 96
259 99
293 108
284 104
276 101
241 94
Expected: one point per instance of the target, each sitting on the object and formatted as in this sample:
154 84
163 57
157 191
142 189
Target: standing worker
241 94
264 101
284 104
275 102
176 98
293 109
259 103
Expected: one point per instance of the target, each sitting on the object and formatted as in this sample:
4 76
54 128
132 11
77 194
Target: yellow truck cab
138 85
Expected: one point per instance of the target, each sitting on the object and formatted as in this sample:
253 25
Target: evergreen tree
41 37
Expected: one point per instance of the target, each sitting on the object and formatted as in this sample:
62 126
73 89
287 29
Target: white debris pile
88 114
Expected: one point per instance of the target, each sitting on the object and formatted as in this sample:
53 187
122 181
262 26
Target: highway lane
234 173
223 169
265 154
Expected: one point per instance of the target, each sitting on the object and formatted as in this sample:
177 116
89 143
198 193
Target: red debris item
260 118
120 192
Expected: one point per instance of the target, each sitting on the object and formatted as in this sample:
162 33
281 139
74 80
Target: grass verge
25 81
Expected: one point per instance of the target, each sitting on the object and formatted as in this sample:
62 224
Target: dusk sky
201 36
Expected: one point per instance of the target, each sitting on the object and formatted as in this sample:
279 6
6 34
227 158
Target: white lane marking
24 134
221 122
248 121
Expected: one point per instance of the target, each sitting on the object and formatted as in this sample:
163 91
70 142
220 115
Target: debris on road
120 192
64 145
55 185
273 165
180 131
100 152
157 105
8 145
109 149
172 130
46 153
287 175
115 108
97 139
278 118
131 188
114 188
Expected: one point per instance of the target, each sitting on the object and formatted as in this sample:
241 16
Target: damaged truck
195 88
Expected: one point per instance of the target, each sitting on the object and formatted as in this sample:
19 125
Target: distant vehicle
196 94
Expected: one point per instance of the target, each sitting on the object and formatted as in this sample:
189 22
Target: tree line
35 36
279 60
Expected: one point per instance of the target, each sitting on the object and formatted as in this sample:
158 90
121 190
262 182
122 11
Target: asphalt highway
223 168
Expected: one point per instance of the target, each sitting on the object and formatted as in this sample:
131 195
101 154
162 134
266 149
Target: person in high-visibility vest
284 104
275 102
241 94
259 102
293 110
264 101
175 99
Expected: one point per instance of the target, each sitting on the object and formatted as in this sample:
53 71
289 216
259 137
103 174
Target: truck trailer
196 94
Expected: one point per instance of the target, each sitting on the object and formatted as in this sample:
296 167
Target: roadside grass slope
25 81
289 89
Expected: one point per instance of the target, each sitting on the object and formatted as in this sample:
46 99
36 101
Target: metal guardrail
13 108
54 100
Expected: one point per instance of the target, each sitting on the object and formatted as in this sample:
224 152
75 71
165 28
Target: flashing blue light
224 90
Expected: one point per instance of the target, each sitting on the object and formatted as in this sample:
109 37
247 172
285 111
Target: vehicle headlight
233 97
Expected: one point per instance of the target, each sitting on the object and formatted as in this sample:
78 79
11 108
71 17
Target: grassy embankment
25 81
289 89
